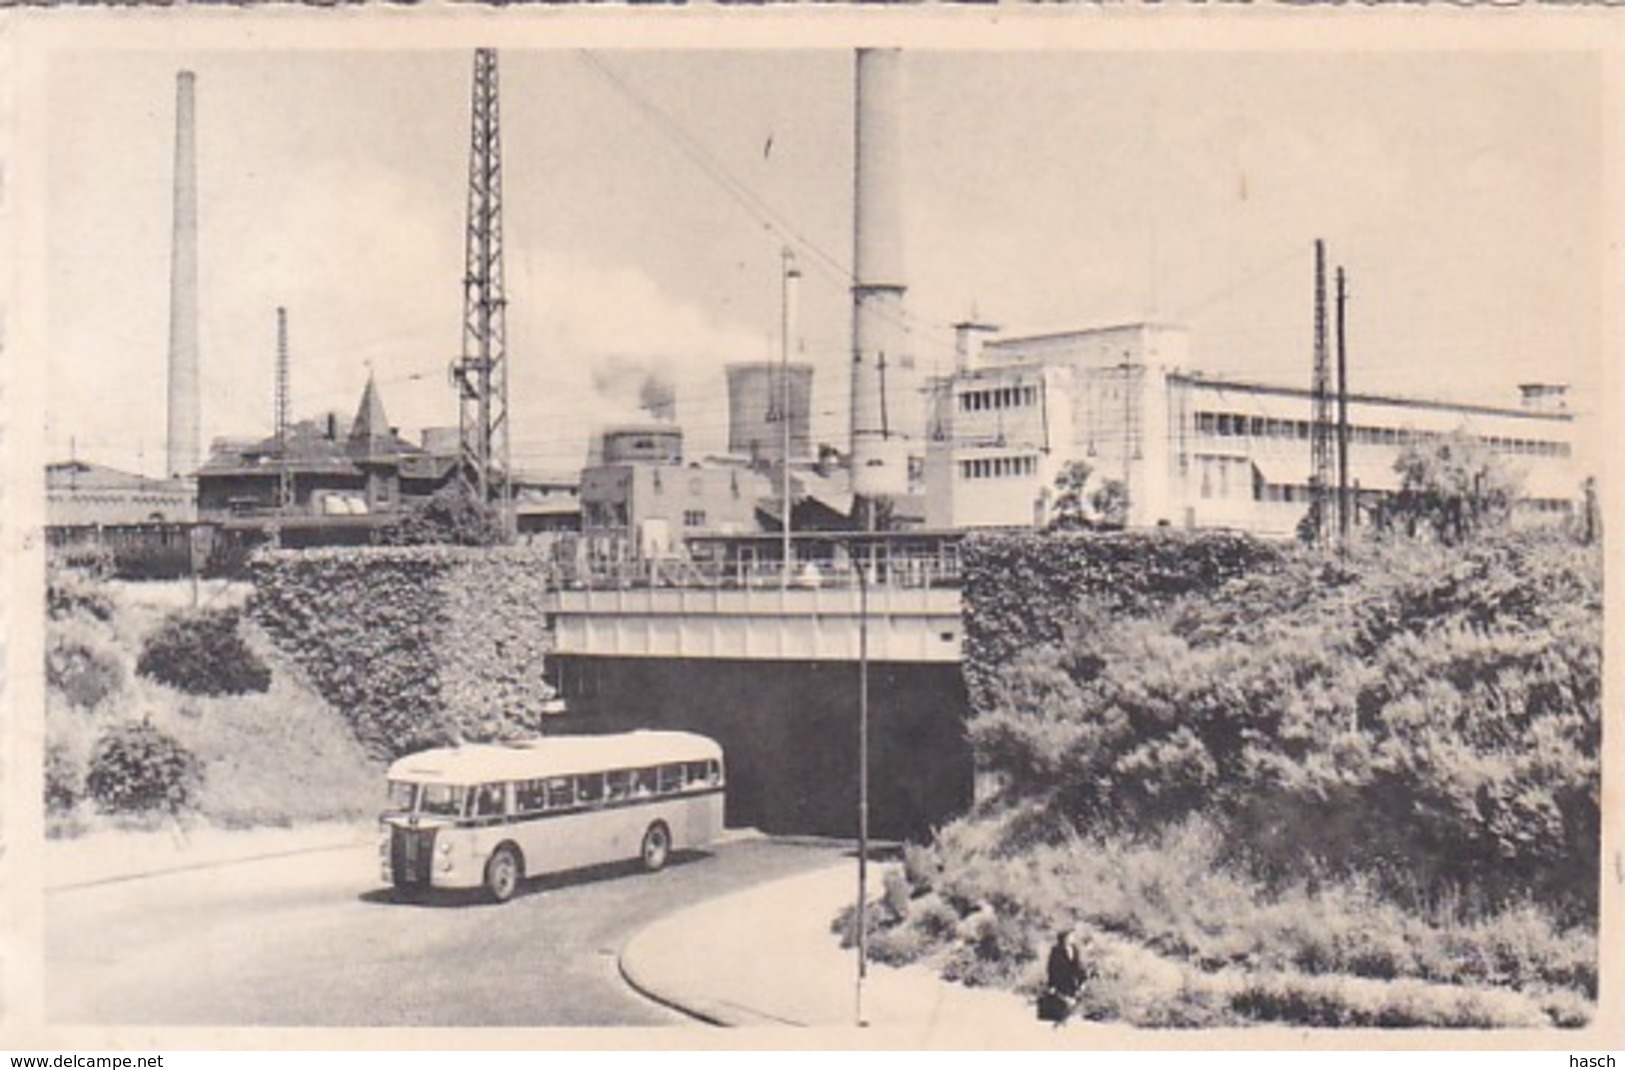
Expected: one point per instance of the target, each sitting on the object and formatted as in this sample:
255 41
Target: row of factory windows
1003 397
998 467
1223 477
1227 424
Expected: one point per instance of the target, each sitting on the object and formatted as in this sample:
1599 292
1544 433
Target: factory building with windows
1191 451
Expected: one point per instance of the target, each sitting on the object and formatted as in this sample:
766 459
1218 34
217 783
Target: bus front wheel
656 847
502 873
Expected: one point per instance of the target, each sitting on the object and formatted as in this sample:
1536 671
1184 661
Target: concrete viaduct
772 672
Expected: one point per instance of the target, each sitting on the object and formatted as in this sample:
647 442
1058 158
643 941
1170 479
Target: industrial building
642 502
322 479
1191 451
81 494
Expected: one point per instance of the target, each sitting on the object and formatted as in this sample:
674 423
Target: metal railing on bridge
889 572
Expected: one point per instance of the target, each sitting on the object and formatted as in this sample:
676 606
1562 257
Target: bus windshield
401 796
443 800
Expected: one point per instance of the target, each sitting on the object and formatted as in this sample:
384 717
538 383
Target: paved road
311 940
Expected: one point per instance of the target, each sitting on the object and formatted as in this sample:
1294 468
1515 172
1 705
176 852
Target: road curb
707 1010
721 1014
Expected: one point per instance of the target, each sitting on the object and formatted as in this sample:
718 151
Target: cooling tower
755 394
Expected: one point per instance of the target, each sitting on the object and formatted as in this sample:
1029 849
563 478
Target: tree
1110 502
1071 509
1454 487
1078 505
451 515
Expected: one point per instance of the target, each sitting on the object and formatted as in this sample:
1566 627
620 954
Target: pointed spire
371 428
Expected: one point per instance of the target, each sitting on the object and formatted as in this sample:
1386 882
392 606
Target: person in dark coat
1065 975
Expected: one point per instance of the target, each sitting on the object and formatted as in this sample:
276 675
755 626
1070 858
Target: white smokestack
184 425
886 407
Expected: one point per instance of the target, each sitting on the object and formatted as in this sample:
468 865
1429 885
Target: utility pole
1345 513
481 375
788 283
1320 431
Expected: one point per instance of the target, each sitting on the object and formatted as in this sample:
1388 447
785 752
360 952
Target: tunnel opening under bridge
789 730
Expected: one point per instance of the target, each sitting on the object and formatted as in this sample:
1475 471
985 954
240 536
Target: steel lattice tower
481 374
1321 429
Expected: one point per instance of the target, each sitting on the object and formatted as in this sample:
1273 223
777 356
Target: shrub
1296 999
83 675
992 951
453 516
90 559
1024 591
71 591
64 785
136 768
899 945
203 654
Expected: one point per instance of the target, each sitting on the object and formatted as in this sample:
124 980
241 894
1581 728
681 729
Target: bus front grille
411 854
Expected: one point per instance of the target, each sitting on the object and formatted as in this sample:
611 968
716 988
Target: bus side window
528 796
618 784
671 778
696 775
488 800
590 789
561 793
713 772
643 782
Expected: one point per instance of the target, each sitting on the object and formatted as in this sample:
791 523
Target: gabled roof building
335 478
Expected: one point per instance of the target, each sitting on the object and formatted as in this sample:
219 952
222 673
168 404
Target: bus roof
477 763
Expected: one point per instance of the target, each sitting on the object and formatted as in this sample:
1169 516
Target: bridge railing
893 572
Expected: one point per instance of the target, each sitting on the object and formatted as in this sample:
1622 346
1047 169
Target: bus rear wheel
656 847
502 873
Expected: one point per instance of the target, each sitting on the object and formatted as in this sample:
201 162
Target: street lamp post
863 785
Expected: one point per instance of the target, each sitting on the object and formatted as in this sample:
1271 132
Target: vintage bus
490 815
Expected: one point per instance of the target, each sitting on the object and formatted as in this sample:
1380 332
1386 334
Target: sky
648 197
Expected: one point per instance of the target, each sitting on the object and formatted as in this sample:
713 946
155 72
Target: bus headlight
445 847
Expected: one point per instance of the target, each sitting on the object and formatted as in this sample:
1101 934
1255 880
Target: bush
1025 591
993 950
135 768
451 516
203 654
1295 999
64 785
91 559
83 675
70 591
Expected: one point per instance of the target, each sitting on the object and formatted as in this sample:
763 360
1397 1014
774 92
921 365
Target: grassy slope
278 758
